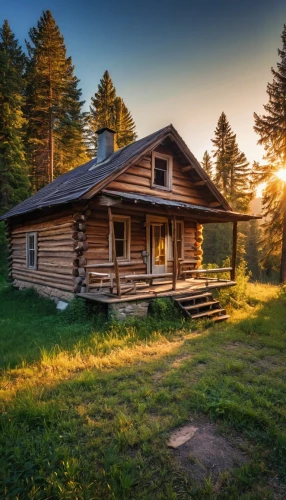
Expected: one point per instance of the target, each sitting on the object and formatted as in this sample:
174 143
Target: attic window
31 250
161 171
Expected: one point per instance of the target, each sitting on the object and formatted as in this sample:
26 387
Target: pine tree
14 182
207 164
271 127
124 124
55 129
109 110
232 172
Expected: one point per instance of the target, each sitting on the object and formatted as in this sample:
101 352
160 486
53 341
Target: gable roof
88 179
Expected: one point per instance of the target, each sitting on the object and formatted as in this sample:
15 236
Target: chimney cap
103 129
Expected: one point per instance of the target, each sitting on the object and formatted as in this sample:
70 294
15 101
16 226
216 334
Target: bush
237 295
163 309
83 311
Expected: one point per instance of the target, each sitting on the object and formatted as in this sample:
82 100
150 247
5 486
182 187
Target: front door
158 245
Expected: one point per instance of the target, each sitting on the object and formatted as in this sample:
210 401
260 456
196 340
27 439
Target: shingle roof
75 183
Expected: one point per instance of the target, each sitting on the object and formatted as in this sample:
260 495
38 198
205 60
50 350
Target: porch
160 288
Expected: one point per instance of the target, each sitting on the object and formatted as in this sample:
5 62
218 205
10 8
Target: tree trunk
283 255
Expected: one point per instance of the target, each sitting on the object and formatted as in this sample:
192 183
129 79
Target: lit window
161 171
122 238
31 250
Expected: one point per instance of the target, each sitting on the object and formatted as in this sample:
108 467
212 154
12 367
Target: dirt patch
206 454
180 359
235 345
269 363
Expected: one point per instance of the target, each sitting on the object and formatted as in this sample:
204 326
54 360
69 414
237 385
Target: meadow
87 405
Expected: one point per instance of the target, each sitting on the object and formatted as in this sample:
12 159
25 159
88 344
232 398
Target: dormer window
161 171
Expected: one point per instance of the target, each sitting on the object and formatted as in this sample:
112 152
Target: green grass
87 405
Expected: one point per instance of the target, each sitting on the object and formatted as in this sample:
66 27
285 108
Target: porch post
114 258
234 245
175 254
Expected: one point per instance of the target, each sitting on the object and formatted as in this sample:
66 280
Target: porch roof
204 214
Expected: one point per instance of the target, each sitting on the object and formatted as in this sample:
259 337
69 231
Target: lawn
87 406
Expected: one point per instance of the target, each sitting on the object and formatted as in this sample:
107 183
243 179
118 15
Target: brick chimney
105 143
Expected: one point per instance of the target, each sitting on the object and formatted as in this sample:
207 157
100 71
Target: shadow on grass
102 432
31 326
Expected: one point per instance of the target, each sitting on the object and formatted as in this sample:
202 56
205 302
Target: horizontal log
54 235
45 274
40 281
41 227
55 246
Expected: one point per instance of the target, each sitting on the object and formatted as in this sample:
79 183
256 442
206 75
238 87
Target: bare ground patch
206 454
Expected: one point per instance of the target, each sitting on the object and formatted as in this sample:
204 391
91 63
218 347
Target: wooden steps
203 305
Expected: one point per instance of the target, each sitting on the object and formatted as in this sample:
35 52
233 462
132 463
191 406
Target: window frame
170 241
127 230
35 249
169 160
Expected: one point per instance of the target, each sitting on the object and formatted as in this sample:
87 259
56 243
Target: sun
281 174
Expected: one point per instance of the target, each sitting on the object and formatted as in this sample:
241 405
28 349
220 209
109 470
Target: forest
45 132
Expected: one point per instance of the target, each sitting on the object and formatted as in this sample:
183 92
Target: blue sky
173 61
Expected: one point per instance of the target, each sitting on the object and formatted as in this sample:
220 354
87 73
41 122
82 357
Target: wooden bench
203 272
99 280
146 277
185 265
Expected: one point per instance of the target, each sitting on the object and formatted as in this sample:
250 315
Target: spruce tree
232 172
109 110
55 129
271 127
124 124
207 164
14 182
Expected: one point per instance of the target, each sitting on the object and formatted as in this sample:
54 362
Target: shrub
164 309
237 295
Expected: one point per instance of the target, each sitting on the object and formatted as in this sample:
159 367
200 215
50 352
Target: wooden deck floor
160 289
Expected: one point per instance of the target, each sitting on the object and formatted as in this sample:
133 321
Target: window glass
119 229
161 172
31 245
121 234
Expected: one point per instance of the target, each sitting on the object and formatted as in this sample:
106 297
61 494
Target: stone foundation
123 310
45 291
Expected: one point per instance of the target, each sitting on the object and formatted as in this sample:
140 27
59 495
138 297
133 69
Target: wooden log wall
198 244
137 179
97 233
61 243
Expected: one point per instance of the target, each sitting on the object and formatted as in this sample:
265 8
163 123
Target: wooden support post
116 269
234 245
175 254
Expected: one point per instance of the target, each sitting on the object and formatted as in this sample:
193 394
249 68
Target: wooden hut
123 228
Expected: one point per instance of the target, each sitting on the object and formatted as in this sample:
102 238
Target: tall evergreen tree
124 124
109 110
207 164
55 124
271 127
14 182
232 172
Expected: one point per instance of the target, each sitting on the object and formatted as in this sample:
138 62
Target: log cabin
124 228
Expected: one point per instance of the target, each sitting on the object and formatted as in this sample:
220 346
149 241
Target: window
31 250
161 171
180 240
122 238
